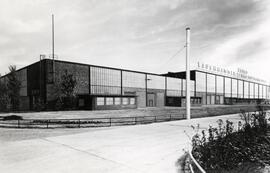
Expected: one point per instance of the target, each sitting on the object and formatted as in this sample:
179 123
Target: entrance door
151 100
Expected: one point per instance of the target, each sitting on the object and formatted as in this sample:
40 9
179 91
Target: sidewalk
142 148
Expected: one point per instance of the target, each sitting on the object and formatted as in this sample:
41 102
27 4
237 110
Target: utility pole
53 65
187 74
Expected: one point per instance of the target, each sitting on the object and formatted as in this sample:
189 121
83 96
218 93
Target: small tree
13 86
67 87
68 84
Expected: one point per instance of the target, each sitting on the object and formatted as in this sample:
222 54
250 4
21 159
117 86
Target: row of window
115 101
108 81
230 87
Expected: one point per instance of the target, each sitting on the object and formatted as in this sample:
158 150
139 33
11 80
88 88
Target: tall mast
187 74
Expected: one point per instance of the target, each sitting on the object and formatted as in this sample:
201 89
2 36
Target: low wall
199 112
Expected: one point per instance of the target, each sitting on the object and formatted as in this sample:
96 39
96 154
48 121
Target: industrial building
100 88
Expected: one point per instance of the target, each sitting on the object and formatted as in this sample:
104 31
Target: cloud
133 34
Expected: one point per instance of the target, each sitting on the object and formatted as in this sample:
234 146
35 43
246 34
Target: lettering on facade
240 74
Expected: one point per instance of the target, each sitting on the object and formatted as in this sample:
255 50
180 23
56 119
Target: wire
174 55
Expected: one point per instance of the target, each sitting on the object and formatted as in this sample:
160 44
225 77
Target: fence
87 122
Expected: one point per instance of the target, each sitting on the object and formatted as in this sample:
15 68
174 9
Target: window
228 87
109 101
105 81
246 90
240 89
155 82
200 82
125 101
256 94
211 83
133 80
173 86
251 90
220 85
234 88
100 101
132 101
117 101
192 88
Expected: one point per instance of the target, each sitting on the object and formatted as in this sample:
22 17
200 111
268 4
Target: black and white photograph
135 86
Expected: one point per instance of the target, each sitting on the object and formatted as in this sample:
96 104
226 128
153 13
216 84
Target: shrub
12 117
224 148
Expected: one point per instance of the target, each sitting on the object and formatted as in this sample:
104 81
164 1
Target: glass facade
260 91
173 86
268 92
211 83
155 82
240 90
105 81
117 100
221 89
211 88
192 88
228 87
109 100
200 82
183 89
220 85
251 90
234 88
264 92
246 89
256 91
133 80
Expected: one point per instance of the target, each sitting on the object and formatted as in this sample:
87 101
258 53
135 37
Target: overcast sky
140 35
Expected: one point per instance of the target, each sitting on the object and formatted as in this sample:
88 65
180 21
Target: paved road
142 148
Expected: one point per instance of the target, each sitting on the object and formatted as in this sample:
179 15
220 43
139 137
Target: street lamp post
187 74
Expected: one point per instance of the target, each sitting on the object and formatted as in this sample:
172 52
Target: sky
137 34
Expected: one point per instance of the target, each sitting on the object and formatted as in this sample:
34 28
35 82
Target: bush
222 148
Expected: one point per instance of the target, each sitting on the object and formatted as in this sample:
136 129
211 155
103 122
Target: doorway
151 100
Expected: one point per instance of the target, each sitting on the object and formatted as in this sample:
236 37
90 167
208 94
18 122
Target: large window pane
109 101
201 86
100 101
234 88
228 87
256 94
117 100
132 101
268 92
125 101
240 89
220 86
105 81
210 83
264 92
192 87
155 82
260 91
133 80
251 90
246 89
200 82
173 86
